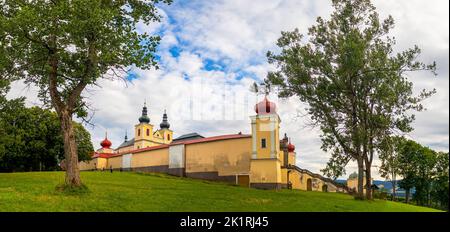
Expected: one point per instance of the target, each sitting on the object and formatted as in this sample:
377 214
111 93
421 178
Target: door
243 180
309 184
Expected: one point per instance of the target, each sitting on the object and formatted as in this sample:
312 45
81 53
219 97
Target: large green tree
64 46
355 86
415 166
30 138
10 142
426 171
425 175
440 188
389 156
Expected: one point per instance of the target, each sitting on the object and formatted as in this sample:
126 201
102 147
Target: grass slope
151 192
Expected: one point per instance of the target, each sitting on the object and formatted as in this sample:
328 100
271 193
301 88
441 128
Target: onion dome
164 124
144 118
106 143
290 147
265 107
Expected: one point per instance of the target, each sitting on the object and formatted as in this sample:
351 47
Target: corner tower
265 165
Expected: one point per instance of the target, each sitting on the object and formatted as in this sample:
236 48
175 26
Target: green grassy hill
151 192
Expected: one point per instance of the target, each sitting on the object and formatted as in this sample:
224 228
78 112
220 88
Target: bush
380 195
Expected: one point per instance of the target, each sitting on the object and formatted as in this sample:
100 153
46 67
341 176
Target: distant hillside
386 184
127 191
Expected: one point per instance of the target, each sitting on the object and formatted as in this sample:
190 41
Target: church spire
144 118
126 136
164 124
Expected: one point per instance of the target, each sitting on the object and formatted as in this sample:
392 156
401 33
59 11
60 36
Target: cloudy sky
212 51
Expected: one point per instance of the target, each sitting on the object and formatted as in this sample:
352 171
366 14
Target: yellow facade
291 158
143 135
265 171
102 163
115 162
88 165
157 157
267 129
304 181
166 136
216 157
265 168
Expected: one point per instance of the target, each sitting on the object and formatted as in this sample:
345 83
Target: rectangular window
139 132
263 143
148 132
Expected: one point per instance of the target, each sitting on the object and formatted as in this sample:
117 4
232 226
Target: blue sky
212 51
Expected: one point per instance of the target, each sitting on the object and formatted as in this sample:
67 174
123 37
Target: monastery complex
259 160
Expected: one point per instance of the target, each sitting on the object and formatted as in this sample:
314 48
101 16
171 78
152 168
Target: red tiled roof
185 142
148 148
103 155
211 139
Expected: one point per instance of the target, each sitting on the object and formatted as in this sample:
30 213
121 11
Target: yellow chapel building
259 160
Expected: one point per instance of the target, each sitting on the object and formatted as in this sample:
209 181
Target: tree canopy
355 86
64 46
30 138
419 168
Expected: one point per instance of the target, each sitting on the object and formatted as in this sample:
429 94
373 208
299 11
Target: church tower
265 165
143 132
164 131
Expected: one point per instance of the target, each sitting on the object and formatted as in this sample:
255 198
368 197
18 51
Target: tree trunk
394 183
368 183
70 148
360 178
407 195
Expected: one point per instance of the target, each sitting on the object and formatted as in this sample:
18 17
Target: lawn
127 191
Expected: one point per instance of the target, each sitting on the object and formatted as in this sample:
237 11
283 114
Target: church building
260 160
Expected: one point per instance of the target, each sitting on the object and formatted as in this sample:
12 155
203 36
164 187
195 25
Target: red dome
291 147
265 107
106 143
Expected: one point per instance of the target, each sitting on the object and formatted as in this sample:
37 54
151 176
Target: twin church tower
146 137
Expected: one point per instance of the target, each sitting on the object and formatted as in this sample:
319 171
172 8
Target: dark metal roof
210 139
189 136
164 123
144 118
126 143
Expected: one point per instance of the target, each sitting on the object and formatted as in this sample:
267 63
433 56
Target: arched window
168 137
148 132
139 132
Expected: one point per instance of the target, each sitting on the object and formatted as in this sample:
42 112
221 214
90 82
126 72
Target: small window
139 132
168 137
263 143
148 132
